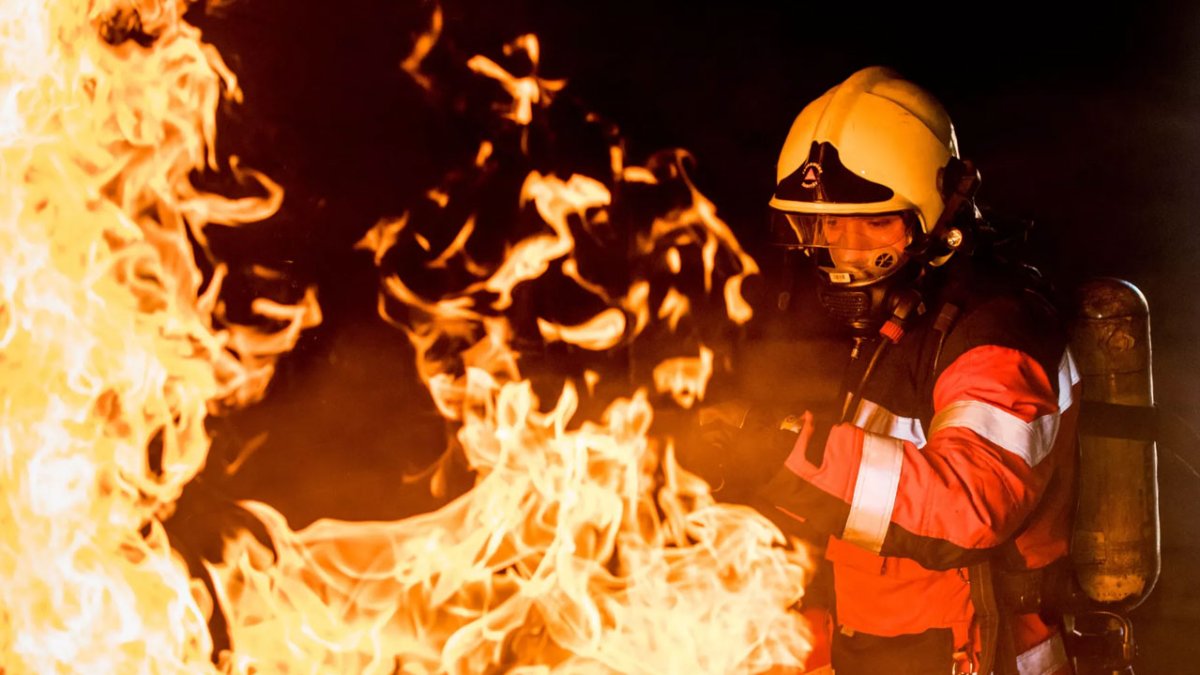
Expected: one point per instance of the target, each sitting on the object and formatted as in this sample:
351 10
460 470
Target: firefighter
948 465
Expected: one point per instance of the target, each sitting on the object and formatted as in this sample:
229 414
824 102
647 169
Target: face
866 246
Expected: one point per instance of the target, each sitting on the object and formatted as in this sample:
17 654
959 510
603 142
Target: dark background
1087 121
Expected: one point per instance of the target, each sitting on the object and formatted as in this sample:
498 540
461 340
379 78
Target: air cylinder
1115 541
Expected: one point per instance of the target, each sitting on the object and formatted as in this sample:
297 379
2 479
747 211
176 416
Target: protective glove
722 424
798 507
739 446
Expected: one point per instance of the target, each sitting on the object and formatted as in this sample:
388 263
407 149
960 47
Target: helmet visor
850 248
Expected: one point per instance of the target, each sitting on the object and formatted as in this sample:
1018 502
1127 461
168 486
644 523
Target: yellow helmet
875 143
863 183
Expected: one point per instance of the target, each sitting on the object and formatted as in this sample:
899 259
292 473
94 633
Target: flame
675 305
382 237
602 331
557 557
584 544
527 92
112 350
591 378
421 48
698 222
456 247
685 377
674 260
556 201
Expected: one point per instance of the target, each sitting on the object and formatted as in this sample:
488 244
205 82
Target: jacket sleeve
967 490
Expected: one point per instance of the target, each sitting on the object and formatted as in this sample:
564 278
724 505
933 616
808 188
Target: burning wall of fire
582 546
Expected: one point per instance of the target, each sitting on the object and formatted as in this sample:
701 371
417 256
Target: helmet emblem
811 175
885 260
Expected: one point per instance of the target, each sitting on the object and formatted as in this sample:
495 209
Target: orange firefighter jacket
963 449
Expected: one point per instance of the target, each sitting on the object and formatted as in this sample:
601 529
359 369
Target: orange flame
685 377
602 331
698 222
527 92
584 544
674 305
109 344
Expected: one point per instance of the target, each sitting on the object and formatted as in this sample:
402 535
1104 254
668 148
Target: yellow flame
685 377
456 247
382 237
570 269
557 557
674 260
673 308
590 379
602 331
637 302
109 342
583 546
438 197
481 157
527 92
639 174
699 219
555 201
422 46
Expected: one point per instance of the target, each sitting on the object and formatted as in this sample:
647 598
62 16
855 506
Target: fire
584 545
675 305
112 350
529 92
685 377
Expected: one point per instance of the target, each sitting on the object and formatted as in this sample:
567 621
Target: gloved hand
813 428
798 507
738 447
721 424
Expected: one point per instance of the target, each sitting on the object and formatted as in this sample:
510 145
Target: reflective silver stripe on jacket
877 419
1031 440
1068 377
1043 658
874 491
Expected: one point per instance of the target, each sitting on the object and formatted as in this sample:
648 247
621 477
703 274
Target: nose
856 258
856 238
856 245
